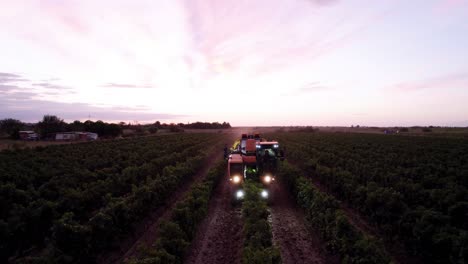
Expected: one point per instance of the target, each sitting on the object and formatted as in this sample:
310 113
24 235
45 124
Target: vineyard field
413 190
337 198
69 203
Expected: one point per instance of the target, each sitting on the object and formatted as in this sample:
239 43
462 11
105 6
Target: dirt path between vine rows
290 233
147 231
396 251
219 238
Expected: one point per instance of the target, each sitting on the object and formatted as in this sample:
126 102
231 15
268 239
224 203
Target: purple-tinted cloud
6 77
28 104
7 87
16 84
126 85
446 5
21 106
51 86
323 2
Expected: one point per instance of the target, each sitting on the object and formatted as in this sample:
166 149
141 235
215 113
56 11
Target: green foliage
323 212
414 189
71 202
70 236
258 247
175 235
101 128
51 124
172 240
260 256
11 127
153 130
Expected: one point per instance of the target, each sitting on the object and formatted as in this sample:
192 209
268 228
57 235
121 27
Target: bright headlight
239 194
236 179
276 146
267 179
264 194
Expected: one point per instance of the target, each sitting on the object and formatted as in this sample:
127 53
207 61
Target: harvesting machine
255 158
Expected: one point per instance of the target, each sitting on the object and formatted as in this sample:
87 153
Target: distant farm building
391 131
75 136
28 135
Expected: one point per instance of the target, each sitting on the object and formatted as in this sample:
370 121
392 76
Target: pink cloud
444 6
66 14
258 41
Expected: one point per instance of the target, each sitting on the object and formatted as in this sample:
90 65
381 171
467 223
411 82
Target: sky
250 63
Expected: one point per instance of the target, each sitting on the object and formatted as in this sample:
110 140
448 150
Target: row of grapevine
65 203
176 235
258 247
324 214
414 189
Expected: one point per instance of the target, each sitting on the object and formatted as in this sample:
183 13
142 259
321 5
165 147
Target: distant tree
51 124
226 125
103 129
139 129
175 128
76 126
206 125
11 127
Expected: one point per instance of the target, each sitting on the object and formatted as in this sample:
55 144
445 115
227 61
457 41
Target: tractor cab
268 154
272 147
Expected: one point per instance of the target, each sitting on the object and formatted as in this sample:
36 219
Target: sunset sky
274 62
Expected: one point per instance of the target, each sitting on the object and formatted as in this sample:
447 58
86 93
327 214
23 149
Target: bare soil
146 232
296 242
219 238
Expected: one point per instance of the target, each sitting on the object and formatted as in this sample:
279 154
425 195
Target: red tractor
253 158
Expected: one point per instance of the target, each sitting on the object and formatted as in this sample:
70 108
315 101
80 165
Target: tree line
195 125
51 124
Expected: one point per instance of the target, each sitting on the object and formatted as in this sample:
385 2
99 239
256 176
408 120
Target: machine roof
235 158
268 142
